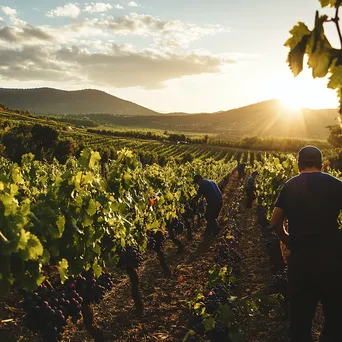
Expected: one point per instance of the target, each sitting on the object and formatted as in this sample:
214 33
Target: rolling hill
54 101
264 119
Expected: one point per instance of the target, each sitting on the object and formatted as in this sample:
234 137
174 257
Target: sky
167 55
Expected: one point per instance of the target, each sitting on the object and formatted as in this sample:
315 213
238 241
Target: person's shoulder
331 178
292 181
205 182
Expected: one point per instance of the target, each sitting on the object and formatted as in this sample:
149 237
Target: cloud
33 63
122 67
24 33
85 52
167 33
68 10
115 66
9 11
133 4
97 7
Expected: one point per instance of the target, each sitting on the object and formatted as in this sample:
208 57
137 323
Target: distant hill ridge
55 101
264 119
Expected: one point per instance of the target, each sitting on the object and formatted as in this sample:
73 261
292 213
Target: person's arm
196 198
277 224
198 195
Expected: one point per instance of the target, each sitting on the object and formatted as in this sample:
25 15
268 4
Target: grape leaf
29 246
84 157
296 56
331 3
91 210
9 203
63 269
335 80
97 269
24 237
298 32
209 324
94 159
319 50
60 225
16 175
225 316
34 247
339 94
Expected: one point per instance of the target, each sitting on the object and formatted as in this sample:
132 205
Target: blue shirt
210 191
250 182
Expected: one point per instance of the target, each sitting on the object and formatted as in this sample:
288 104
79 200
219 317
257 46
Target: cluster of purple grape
176 226
47 311
228 255
90 289
156 241
130 257
48 308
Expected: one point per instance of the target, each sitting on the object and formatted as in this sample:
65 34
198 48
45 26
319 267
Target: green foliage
41 140
331 3
323 59
71 217
335 137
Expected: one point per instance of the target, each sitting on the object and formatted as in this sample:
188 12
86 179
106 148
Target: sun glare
301 92
292 104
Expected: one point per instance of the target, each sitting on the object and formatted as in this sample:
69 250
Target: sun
292 104
291 108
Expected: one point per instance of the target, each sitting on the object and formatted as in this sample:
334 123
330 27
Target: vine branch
336 21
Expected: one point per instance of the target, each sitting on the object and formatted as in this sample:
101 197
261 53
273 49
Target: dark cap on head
197 178
310 154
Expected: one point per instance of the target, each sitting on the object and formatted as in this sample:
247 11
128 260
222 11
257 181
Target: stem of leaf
336 21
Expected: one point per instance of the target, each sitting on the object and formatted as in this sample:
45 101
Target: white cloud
117 6
166 33
85 51
1 19
133 4
24 33
9 11
68 10
97 7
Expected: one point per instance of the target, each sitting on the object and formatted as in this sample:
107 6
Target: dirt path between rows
256 276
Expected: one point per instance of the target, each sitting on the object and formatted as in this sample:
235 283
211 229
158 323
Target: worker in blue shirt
250 189
211 192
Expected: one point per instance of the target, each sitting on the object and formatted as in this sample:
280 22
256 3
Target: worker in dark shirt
312 202
250 189
213 196
240 169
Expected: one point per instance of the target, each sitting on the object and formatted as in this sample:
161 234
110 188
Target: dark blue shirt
312 203
210 191
250 182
